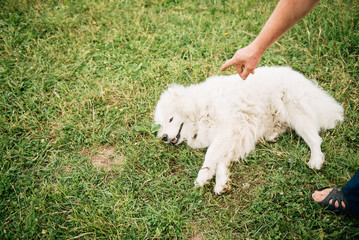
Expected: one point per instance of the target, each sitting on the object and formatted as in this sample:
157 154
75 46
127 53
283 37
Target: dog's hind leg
305 127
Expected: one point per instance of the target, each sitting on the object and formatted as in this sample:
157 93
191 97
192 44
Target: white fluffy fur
229 116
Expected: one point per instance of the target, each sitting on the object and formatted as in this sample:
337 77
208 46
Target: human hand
245 60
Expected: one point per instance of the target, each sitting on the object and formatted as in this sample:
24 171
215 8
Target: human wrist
258 47
256 50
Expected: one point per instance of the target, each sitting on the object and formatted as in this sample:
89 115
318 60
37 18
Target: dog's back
287 91
299 94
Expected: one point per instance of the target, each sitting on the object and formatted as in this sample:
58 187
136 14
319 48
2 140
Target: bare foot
319 196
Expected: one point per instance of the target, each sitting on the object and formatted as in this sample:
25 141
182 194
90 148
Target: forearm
286 14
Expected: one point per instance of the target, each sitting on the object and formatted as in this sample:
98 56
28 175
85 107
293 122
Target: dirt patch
67 169
197 236
195 232
107 158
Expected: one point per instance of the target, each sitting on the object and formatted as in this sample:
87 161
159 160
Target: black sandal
336 195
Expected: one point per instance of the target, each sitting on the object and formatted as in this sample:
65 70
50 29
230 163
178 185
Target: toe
319 196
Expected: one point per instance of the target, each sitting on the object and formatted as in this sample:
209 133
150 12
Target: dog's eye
171 119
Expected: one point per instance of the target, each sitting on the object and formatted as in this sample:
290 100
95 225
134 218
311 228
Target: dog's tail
324 109
312 105
329 111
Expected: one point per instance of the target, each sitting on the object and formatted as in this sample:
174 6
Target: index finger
227 64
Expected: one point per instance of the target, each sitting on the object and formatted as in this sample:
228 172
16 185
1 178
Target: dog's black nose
164 137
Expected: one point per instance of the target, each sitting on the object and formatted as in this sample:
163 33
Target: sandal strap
335 195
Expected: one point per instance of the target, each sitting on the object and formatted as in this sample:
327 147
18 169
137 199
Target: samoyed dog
229 116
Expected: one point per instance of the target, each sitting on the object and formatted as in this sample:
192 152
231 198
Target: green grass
77 76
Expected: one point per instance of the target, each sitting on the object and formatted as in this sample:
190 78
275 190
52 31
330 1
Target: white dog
229 116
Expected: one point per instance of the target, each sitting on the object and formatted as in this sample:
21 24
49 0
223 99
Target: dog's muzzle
175 139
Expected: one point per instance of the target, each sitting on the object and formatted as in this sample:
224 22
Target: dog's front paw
201 181
204 177
219 189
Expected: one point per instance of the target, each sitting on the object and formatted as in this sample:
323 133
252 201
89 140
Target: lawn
79 81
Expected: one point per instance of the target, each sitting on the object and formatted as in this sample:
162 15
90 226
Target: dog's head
173 112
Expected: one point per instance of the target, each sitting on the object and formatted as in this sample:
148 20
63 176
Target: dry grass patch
106 158
195 232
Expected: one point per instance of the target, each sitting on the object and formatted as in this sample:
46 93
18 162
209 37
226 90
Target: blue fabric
351 193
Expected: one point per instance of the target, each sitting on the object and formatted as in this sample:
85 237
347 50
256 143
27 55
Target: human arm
286 14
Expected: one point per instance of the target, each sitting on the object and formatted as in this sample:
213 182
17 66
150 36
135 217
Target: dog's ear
172 94
180 97
176 90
